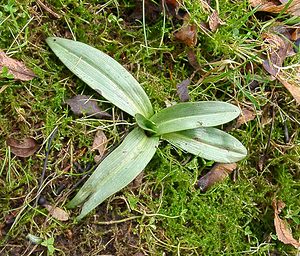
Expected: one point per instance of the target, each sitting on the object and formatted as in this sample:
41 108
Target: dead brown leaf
192 58
277 49
23 148
152 11
99 144
292 86
16 68
85 105
275 6
278 46
214 21
57 213
187 34
283 232
217 174
172 6
246 116
183 91
295 34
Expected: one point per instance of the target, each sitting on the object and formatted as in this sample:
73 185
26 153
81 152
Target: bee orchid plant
188 126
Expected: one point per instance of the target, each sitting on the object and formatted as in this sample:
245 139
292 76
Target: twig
46 8
286 133
118 221
47 151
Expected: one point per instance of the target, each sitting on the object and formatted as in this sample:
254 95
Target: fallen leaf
69 234
295 34
245 116
283 232
152 11
172 6
278 46
193 59
214 21
99 144
183 91
23 148
187 34
85 105
292 86
277 49
57 213
274 6
217 174
15 68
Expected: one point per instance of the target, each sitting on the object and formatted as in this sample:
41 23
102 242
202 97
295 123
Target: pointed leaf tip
191 115
103 74
116 171
209 143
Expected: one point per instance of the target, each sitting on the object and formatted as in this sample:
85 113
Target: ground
163 212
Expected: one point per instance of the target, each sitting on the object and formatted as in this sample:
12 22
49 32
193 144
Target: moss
166 213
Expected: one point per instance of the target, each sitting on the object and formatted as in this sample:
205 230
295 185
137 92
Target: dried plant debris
214 21
267 112
99 145
152 11
23 148
187 34
217 174
84 105
276 6
138 181
192 58
278 46
246 116
48 9
292 85
172 6
15 68
295 35
283 232
57 213
183 91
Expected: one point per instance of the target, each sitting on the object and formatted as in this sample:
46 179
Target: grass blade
103 74
190 115
117 170
209 143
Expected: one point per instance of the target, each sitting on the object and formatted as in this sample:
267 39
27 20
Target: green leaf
145 123
103 74
117 170
190 115
209 143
